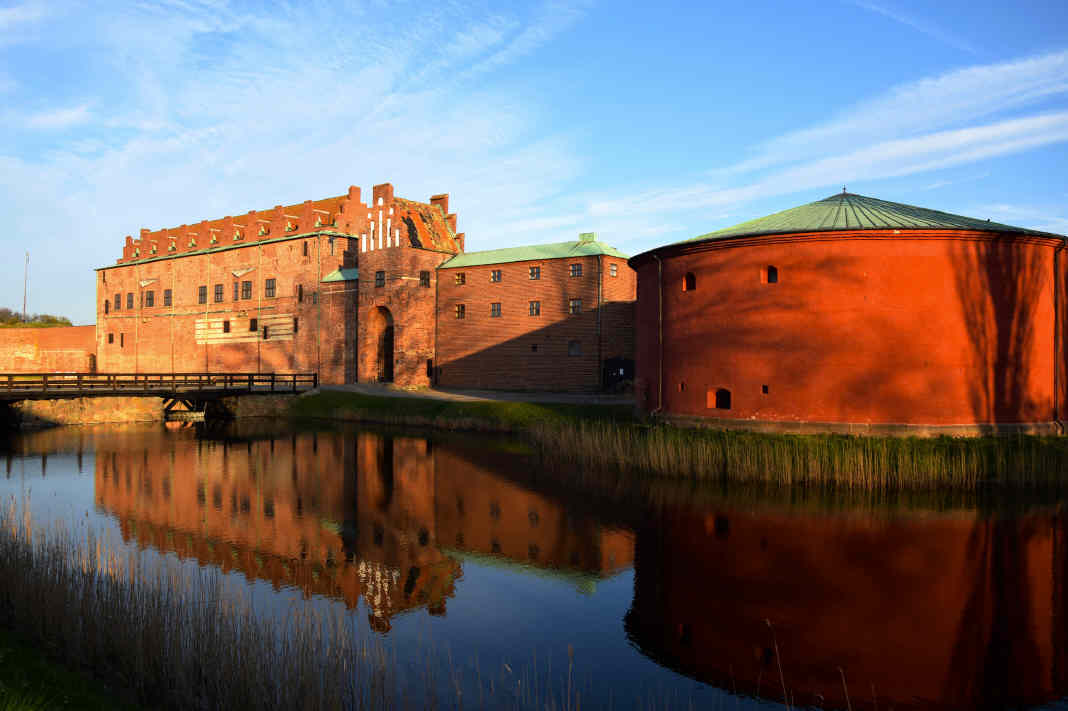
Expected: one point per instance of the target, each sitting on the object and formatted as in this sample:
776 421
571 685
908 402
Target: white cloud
918 24
16 15
59 118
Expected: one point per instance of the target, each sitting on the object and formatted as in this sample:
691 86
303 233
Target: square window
535 308
764 389
253 325
218 293
613 270
129 300
461 310
269 288
533 347
167 297
576 270
380 278
535 273
150 299
246 290
574 348
118 302
495 310
424 279
226 326
495 275
461 278
574 306
202 294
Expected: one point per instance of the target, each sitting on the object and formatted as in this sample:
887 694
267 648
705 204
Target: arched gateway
381 322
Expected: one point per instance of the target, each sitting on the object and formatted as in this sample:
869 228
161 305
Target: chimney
587 237
382 194
441 201
460 240
354 193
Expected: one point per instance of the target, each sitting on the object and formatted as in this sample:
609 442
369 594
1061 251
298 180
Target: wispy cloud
59 118
918 24
15 15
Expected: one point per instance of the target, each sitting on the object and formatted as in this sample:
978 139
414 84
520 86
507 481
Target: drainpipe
1057 345
659 336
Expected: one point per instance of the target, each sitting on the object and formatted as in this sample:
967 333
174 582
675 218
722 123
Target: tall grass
814 460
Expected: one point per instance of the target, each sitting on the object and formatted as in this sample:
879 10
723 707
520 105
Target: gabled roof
222 248
534 252
426 226
848 211
341 275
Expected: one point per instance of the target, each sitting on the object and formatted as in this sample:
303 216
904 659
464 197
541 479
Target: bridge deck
193 386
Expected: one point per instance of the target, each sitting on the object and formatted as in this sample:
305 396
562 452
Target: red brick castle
364 292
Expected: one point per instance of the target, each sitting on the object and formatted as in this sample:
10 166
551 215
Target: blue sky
645 123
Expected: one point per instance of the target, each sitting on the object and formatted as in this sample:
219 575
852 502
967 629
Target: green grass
29 681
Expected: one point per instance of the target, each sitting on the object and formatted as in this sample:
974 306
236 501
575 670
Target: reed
870 463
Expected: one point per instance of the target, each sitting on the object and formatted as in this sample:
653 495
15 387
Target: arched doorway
382 342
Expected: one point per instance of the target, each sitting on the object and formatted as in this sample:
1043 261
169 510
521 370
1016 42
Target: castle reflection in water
919 609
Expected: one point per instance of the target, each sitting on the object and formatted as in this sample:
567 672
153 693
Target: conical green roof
848 211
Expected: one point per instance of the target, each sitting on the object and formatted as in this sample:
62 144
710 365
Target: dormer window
137 252
192 242
172 247
263 230
318 222
290 227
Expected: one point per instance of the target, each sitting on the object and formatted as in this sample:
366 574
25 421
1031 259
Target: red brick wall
481 351
47 350
937 328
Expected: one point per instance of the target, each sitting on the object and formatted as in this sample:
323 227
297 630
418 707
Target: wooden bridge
179 390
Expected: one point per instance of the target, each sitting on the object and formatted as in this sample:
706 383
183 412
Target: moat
467 547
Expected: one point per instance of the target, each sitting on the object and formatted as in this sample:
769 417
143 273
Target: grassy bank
588 440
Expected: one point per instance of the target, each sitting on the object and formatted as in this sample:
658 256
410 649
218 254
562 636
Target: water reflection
932 607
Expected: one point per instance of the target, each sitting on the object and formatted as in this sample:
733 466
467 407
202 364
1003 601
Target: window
460 310
613 270
202 294
424 279
495 309
296 326
226 326
266 333
269 288
218 293
129 301
495 275
574 348
574 306
535 308
246 290
253 325
772 275
576 270
122 340
533 347
118 302
167 297
460 278
150 299
689 282
111 338
315 297
380 278
720 399
300 293
107 307
764 389
305 248
535 273
235 291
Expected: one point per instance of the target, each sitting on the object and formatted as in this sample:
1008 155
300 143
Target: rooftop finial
843 189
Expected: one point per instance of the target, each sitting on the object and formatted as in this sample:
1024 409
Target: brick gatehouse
373 292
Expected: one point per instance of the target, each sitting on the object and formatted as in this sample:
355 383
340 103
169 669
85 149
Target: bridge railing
157 382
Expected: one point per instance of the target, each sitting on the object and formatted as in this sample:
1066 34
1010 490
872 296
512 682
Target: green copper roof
342 275
847 211
587 246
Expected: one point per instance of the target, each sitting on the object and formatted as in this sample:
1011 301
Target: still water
693 596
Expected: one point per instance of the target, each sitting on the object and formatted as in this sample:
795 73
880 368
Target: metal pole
25 281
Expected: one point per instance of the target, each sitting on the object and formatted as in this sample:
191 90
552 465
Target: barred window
218 293
380 278
150 299
461 278
535 308
574 306
495 309
495 275
253 325
424 279
535 273
168 298
461 310
118 302
129 300
613 270
202 294
269 288
235 291
246 290
576 270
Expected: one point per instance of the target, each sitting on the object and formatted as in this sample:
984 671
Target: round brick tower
859 315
